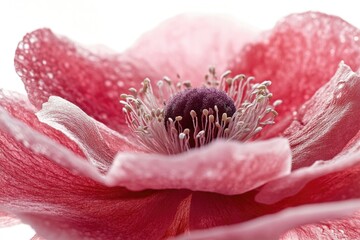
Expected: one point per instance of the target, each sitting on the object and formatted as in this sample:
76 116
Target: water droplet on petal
120 83
108 83
50 75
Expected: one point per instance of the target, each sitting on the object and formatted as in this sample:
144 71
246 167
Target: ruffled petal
7 220
188 45
222 167
274 225
353 146
20 141
64 204
299 55
323 181
327 126
52 65
347 228
37 237
99 143
328 121
19 107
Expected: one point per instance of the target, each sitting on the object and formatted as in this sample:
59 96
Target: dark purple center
198 99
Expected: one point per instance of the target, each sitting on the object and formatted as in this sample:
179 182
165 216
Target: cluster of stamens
148 117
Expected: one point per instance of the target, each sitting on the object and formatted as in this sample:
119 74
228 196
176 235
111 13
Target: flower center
179 117
191 103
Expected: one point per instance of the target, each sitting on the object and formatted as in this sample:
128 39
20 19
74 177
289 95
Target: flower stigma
179 117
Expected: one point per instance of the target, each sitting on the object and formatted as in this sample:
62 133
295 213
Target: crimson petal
274 225
299 55
59 204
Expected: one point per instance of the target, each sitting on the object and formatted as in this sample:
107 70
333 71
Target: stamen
173 130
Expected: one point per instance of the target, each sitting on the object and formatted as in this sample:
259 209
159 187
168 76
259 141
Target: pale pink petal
323 181
328 121
37 237
299 55
222 167
99 143
347 228
274 225
7 220
63 204
189 44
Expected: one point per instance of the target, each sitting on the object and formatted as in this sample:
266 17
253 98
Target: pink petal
37 237
19 141
347 228
222 167
189 44
274 225
328 121
99 143
20 107
53 65
299 55
324 181
103 214
7 220
352 146
59 204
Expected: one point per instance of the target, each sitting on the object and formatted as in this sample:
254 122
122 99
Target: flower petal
274 225
37 237
353 146
328 121
299 55
19 141
7 220
188 45
347 228
53 65
123 214
60 204
20 108
210 210
222 167
99 143
323 181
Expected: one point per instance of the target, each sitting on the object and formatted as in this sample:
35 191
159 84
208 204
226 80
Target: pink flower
72 169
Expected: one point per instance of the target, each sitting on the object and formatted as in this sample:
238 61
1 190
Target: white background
116 24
